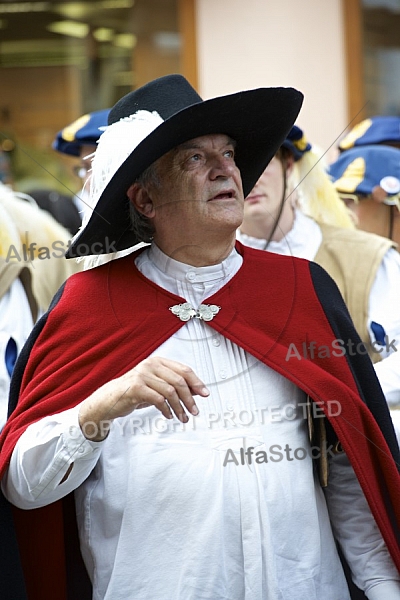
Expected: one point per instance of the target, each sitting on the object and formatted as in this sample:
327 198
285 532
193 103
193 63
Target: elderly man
159 389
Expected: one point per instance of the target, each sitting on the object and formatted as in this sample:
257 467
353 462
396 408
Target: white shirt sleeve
358 534
42 457
384 309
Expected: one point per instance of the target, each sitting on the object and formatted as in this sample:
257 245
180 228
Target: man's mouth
253 198
223 195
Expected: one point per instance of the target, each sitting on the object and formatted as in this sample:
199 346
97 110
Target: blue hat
84 131
296 143
360 170
375 130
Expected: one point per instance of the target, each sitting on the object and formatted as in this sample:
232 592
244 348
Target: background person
18 313
295 210
18 308
367 179
42 243
380 129
79 139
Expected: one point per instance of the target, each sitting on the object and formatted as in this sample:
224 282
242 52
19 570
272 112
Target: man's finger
194 383
177 391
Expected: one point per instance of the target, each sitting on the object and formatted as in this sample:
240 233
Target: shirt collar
188 273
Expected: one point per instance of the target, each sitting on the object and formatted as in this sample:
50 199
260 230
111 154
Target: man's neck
208 252
262 228
375 218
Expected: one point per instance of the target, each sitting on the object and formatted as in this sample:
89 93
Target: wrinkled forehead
206 143
212 139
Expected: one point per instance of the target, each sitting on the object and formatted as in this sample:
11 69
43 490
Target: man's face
373 215
200 189
85 164
263 202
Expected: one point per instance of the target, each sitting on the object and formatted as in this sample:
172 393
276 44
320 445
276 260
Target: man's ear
141 200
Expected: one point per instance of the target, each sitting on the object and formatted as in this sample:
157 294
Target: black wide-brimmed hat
258 120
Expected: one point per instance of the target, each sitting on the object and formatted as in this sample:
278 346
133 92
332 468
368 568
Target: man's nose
222 166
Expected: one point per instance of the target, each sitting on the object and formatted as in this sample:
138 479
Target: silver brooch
185 311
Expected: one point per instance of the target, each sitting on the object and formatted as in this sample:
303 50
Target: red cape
107 320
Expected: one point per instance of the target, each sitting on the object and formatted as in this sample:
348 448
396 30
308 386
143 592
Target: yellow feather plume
319 199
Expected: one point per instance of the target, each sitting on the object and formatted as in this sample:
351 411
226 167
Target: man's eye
229 154
195 157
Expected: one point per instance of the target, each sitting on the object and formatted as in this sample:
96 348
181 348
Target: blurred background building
59 60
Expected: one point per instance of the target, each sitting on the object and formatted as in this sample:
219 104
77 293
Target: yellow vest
352 258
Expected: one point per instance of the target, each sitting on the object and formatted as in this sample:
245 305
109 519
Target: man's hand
166 384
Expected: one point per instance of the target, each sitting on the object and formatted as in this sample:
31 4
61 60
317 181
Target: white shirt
303 241
16 323
160 515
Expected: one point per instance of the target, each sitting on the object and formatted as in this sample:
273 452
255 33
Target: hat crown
166 95
359 169
380 129
83 131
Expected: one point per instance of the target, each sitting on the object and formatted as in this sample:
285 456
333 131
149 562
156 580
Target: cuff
75 443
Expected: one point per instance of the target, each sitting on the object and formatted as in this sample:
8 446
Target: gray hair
141 226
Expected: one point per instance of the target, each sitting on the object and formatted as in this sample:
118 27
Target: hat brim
258 120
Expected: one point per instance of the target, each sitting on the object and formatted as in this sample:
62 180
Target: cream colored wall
299 43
